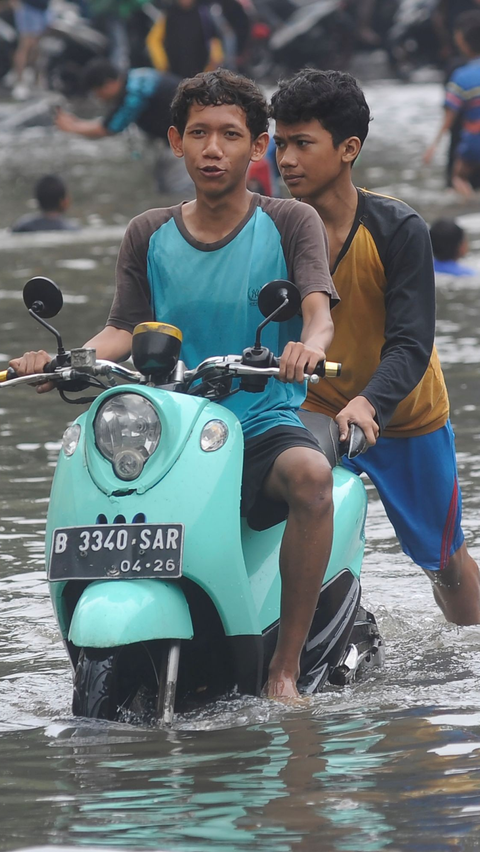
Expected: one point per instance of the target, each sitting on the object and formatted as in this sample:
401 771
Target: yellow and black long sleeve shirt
385 322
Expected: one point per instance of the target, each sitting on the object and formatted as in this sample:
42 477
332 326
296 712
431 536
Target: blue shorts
468 148
31 21
417 482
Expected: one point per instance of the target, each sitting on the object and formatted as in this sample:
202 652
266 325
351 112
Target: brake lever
355 444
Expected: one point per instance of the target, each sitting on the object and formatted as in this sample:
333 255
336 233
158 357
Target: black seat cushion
325 430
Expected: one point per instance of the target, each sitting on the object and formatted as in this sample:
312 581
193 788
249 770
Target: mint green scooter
164 596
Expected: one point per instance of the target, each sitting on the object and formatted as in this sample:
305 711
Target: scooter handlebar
231 364
52 372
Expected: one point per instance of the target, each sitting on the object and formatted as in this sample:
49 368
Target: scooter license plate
117 551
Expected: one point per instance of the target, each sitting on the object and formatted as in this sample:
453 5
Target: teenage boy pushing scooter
199 266
391 384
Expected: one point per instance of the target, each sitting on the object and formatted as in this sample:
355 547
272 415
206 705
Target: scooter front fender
121 612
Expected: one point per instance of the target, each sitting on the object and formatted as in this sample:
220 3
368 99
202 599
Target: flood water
390 763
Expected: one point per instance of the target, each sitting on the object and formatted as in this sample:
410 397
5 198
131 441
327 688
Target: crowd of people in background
181 36
189 36
148 48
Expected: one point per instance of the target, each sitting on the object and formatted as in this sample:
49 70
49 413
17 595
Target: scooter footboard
121 612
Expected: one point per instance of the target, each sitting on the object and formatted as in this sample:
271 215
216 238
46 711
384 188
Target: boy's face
307 158
217 146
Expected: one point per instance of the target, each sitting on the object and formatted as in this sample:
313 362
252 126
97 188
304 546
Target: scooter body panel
110 614
236 566
261 549
350 511
203 493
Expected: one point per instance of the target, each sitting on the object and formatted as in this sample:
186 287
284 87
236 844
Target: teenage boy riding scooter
200 266
391 385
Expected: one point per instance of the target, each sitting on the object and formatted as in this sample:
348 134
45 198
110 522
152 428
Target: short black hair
446 237
214 88
468 24
334 98
50 191
97 72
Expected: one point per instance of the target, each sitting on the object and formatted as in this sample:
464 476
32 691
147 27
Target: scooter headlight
127 432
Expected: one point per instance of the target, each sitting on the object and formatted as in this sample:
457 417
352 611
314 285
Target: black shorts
260 453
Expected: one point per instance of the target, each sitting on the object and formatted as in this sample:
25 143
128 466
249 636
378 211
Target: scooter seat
325 430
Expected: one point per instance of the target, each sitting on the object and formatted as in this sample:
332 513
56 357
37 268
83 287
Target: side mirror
42 297
273 295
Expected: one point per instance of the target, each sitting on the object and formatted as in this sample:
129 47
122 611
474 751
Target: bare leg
456 589
461 175
22 57
303 479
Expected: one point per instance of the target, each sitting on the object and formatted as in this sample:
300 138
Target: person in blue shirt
463 97
141 97
200 265
449 245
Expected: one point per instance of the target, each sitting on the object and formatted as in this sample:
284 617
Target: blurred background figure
462 107
31 21
119 20
238 16
142 96
449 245
443 19
53 202
185 40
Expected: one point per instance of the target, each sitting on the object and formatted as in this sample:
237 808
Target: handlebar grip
51 366
10 373
6 375
330 369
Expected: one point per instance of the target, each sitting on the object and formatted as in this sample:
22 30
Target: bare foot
281 688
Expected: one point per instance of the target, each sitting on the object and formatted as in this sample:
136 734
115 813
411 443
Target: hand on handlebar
360 411
33 362
298 359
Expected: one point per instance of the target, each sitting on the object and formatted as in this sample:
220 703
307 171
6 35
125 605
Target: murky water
392 762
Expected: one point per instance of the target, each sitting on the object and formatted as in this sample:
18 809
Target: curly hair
332 97
214 88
